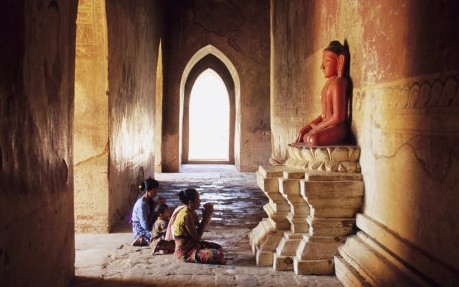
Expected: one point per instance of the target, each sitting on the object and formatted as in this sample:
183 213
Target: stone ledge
324 158
310 267
273 173
397 251
375 265
348 276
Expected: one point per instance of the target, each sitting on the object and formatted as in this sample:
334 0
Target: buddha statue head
334 59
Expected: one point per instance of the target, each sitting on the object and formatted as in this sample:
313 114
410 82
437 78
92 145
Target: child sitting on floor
158 244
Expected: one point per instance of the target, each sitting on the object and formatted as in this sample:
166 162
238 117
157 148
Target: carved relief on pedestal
324 158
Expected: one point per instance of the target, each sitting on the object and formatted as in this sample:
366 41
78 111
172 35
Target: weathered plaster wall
91 118
36 162
404 69
134 31
240 30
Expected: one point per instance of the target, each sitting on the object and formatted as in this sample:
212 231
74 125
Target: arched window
209 115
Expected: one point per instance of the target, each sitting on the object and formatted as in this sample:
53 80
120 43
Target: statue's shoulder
338 82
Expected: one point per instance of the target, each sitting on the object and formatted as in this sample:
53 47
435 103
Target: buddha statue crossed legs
331 126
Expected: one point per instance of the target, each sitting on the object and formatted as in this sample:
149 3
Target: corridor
110 260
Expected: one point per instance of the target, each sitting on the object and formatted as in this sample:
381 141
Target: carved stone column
334 199
266 236
312 205
299 210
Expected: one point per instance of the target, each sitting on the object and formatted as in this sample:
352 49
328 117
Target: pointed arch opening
209 59
209 115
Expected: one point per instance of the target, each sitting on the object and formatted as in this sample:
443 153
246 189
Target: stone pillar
290 188
312 205
334 199
266 236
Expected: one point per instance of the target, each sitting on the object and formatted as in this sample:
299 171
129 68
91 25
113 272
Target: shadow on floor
116 282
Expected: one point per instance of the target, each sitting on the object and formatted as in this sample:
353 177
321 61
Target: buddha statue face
329 64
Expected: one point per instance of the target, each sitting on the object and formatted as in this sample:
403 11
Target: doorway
209 119
209 113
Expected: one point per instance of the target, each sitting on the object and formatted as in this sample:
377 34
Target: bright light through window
209 119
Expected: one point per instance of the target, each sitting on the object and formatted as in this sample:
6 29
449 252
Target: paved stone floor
110 260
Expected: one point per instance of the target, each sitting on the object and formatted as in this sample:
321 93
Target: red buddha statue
331 126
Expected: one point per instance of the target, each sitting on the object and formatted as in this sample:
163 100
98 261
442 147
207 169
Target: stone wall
36 162
404 69
134 33
240 31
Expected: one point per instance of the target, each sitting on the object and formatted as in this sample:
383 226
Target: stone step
286 250
270 171
293 174
333 189
299 209
332 176
315 247
278 217
343 202
264 258
375 264
267 184
348 276
330 226
400 250
289 186
283 263
298 224
313 267
264 240
333 212
259 233
314 254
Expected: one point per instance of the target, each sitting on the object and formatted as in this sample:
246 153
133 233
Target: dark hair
187 195
337 48
149 184
161 208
